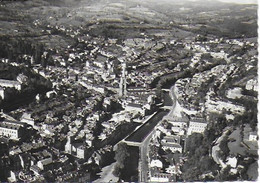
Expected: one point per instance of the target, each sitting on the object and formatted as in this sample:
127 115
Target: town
152 107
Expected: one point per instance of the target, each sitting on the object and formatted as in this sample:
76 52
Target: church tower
122 84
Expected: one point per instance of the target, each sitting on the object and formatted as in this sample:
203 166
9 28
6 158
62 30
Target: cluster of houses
170 135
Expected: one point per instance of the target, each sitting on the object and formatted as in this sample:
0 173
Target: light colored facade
26 118
11 129
77 150
160 177
252 136
81 152
135 107
196 126
2 93
10 84
171 146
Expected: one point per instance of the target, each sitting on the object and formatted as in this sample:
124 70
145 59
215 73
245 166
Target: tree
224 175
120 157
193 142
224 148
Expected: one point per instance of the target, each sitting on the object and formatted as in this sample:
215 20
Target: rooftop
171 145
11 124
4 81
135 105
198 120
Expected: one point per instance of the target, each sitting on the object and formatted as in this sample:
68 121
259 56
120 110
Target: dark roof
172 139
134 105
12 124
198 120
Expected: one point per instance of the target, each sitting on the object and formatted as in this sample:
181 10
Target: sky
236 1
240 1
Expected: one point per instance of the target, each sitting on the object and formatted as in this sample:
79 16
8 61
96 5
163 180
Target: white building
135 107
2 93
197 125
10 84
252 85
172 146
76 149
12 129
160 177
26 118
21 78
232 161
252 136
81 151
156 163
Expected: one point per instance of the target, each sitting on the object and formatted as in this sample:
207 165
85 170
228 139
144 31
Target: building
179 124
197 125
252 136
21 78
172 139
172 146
140 90
252 85
12 129
122 84
26 118
10 84
156 163
159 177
2 93
76 149
135 107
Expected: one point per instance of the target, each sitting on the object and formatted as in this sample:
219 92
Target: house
12 177
252 85
35 169
12 129
156 163
21 78
81 151
197 125
172 139
140 90
159 177
51 94
10 84
26 118
232 161
135 107
252 136
172 146
76 149
44 158
173 169
89 140
179 122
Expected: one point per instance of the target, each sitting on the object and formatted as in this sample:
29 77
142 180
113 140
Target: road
216 148
106 174
144 148
144 157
